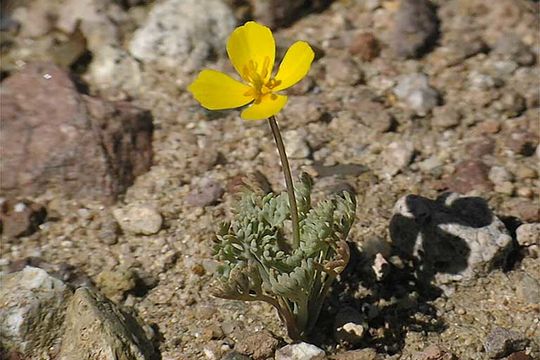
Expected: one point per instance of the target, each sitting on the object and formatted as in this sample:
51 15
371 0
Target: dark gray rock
501 342
416 28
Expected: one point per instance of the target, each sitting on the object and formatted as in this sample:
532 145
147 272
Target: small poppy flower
252 49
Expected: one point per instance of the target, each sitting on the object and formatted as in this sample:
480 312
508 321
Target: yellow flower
252 51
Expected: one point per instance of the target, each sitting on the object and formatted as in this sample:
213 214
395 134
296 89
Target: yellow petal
252 41
270 105
295 65
217 91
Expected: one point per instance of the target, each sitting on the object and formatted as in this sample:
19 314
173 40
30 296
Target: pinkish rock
470 175
54 137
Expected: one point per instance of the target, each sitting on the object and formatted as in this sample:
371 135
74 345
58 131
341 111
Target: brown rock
20 218
259 345
527 211
435 352
277 13
480 147
366 46
470 175
53 137
363 354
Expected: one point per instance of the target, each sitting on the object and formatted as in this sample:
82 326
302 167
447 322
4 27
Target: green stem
288 180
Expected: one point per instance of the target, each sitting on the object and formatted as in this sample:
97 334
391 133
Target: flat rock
139 219
455 237
416 28
501 342
32 305
95 328
469 175
183 34
79 145
258 345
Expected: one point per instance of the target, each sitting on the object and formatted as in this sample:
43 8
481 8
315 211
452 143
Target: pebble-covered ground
402 99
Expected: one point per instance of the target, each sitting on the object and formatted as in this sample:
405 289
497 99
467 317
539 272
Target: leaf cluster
258 263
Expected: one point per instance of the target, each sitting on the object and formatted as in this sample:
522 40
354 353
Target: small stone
349 326
527 211
20 218
109 231
446 117
528 289
528 234
499 175
396 157
115 284
506 188
342 71
363 354
296 144
524 172
207 193
365 46
138 219
435 352
259 345
502 342
520 355
480 146
278 13
233 355
480 81
300 351
522 142
470 175
416 28
525 192
414 90
488 127
510 47
511 104
303 110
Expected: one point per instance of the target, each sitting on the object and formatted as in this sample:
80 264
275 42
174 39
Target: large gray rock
32 306
454 237
183 34
95 328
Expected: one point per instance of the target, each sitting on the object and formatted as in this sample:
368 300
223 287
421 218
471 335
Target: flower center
256 77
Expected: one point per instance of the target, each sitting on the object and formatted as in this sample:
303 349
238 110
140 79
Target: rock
469 175
32 305
416 28
434 352
511 104
85 147
528 234
455 237
510 47
396 157
480 146
499 175
501 342
96 328
481 81
20 218
115 284
374 115
303 110
526 210
528 290
522 142
414 90
183 34
342 71
138 219
233 355
363 354
278 13
365 46
207 193
524 172
296 144
114 72
349 326
109 231
446 117
259 345
300 351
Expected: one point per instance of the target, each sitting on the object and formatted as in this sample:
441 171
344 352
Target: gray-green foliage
258 263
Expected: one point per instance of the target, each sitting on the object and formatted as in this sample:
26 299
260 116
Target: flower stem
288 180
